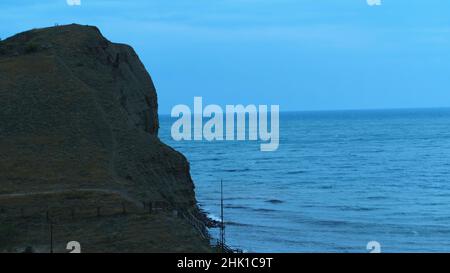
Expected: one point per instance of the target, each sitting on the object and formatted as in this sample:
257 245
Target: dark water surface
338 180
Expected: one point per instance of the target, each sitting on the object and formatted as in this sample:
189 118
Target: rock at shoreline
79 114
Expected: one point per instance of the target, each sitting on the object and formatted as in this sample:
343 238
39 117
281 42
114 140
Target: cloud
73 2
374 2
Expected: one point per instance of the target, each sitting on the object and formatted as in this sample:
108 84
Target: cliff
79 131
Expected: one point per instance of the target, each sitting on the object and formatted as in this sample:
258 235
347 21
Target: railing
60 217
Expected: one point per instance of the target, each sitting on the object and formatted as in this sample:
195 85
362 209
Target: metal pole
222 226
51 236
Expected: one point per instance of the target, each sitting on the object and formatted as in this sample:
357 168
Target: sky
300 54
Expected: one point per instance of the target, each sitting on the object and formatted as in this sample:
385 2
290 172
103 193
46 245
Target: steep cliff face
79 112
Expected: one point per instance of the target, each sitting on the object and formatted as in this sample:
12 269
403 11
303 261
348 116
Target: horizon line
355 109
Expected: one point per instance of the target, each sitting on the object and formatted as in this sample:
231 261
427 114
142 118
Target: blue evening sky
300 54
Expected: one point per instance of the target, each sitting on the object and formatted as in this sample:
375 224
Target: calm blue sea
338 180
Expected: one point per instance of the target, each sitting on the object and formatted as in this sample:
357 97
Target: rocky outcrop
79 112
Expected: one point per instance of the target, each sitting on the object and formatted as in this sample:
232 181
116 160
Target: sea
339 180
